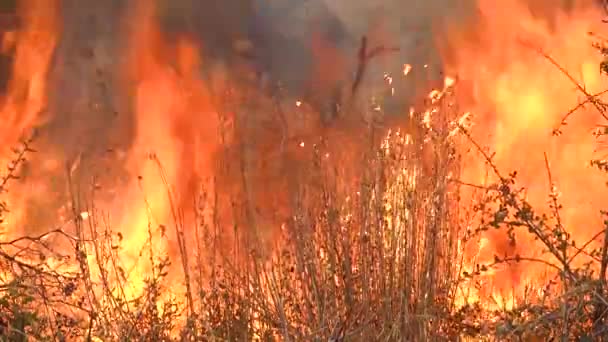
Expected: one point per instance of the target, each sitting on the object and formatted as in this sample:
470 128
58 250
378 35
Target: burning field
329 171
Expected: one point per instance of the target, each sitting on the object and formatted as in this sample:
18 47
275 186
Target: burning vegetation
178 191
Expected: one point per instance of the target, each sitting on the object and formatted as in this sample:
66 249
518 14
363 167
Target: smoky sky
89 102
406 25
92 106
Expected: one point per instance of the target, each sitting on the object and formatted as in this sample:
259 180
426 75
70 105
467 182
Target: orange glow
23 105
174 140
518 97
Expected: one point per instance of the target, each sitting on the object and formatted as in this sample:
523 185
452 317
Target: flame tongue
34 46
23 103
520 96
174 138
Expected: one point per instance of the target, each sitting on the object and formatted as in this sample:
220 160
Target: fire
23 104
406 69
174 140
520 96
524 73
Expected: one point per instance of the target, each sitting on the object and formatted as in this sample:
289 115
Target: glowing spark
427 119
298 103
435 95
388 79
84 215
448 82
406 69
302 144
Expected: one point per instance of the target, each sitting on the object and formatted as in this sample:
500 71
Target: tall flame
23 106
175 136
526 72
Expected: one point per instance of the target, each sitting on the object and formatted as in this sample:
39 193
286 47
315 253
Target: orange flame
175 139
517 94
520 96
23 106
